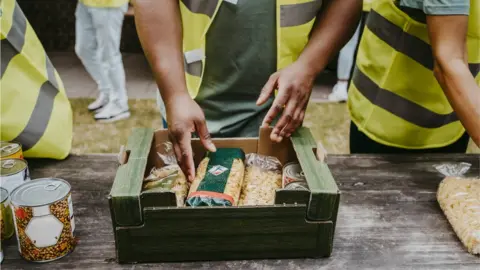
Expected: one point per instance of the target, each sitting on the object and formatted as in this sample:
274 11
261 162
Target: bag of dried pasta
263 176
168 179
219 177
459 198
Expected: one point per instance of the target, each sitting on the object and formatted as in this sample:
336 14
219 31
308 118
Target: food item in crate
459 199
168 178
293 177
219 179
44 219
263 176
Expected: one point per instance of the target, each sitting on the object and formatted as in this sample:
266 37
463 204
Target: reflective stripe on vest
104 3
32 92
294 22
394 98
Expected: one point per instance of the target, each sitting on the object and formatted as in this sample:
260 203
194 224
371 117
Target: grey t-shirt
439 7
240 57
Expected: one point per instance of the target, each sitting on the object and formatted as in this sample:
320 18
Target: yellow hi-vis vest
34 108
367 5
294 22
394 97
105 3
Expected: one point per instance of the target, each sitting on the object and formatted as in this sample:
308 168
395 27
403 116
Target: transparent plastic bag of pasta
219 179
168 179
263 176
459 198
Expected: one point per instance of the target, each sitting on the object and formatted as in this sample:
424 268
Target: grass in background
328 122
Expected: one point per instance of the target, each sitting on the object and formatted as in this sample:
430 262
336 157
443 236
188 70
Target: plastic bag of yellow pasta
459 198
263 176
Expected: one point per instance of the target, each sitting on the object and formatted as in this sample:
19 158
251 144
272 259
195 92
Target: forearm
462 92
159 29
333 28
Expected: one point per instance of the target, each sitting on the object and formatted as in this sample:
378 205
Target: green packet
219 179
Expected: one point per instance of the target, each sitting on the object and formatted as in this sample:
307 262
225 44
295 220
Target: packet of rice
459 198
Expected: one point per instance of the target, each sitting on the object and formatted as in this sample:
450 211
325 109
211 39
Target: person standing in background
98 32
346 58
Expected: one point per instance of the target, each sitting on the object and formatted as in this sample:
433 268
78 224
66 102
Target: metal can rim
303 178
19 148
8 194
44 204
13 173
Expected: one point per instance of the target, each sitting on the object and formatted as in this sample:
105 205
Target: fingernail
214 148
289 134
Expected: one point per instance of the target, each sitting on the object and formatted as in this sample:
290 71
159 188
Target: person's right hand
184 116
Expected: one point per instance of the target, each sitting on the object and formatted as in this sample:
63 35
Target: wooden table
388 219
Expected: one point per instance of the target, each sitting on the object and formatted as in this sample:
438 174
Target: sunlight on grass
328 122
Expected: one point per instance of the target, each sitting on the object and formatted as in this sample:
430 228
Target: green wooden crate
148 227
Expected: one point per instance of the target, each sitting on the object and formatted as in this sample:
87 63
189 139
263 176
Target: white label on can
44 231
12 181
70 211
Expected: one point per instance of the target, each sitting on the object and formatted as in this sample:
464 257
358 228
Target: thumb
204 134
267 89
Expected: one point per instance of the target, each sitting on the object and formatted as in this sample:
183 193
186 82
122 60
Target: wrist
309 69
176 98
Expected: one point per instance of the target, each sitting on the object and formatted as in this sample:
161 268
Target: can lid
7 148
3 194
40 192
12 166
294 170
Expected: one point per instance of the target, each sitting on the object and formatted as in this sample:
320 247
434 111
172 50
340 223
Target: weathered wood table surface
388 219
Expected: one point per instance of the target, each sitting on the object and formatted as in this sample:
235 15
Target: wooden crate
148 227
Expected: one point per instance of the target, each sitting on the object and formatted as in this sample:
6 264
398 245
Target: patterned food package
168 178
263 176
459 198
219 179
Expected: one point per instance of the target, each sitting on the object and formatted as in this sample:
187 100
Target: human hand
294 84
184 116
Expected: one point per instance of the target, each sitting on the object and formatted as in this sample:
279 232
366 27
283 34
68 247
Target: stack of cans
39 211
293 177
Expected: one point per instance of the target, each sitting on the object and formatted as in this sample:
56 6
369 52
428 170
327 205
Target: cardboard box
148 227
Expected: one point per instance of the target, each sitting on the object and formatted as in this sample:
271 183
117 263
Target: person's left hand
294 84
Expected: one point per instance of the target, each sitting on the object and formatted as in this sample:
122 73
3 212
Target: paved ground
140 84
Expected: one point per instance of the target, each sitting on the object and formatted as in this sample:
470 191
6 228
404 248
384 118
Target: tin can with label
13 173
44 222
293 173
10 150
6 217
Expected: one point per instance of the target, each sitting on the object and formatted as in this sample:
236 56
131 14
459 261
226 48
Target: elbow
448 68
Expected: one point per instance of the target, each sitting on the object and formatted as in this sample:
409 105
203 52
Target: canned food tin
292 172
44 219
13 173
10 150
6 217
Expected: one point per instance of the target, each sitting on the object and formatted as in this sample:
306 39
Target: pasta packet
169 178
219 179
263 176
459 198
